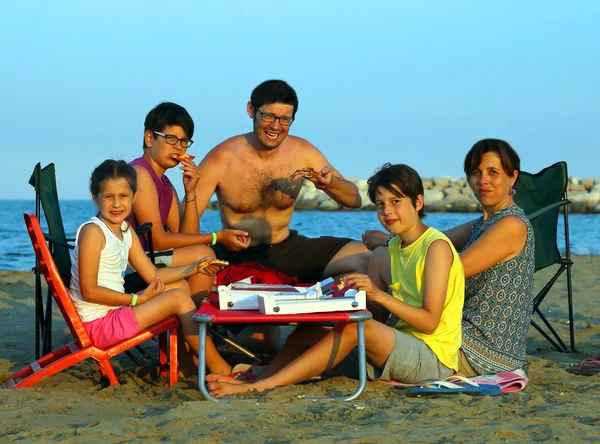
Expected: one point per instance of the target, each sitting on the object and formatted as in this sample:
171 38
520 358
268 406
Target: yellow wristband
214 240
133 299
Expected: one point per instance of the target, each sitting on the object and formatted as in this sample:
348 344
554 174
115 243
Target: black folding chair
542 196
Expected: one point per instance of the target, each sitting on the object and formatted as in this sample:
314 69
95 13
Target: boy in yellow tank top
427 293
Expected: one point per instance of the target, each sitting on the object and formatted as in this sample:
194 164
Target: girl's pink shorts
116 326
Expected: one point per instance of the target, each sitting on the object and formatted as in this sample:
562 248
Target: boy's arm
146 209
187 210
437 271
210 170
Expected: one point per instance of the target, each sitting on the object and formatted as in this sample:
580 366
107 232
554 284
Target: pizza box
300 303
243 295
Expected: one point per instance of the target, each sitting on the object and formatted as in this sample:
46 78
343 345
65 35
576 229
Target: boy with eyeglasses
168 132
257 182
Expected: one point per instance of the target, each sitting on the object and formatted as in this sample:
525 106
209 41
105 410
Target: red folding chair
83 348
209 313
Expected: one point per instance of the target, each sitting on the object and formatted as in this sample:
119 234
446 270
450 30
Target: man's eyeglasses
172 139
270 118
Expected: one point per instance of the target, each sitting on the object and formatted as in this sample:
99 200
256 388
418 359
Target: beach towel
259 273
507 381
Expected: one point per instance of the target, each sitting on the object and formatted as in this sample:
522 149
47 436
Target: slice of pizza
307 173
208 262
182 157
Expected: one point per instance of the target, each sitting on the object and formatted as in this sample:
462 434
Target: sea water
16 252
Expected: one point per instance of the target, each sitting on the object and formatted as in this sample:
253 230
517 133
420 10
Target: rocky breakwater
449 194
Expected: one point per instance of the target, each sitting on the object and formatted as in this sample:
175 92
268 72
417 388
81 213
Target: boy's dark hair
274 91
168 114
508 156
112 169
399 179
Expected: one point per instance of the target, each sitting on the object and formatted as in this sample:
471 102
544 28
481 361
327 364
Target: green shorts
410 361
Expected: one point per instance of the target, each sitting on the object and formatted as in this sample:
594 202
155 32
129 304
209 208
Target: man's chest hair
259 189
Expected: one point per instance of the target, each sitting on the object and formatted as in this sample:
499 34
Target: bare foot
220 370
223 378
220 389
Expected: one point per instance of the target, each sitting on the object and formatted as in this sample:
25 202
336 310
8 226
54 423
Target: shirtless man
250 174
168 132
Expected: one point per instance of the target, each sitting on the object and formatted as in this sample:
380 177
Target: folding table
209 313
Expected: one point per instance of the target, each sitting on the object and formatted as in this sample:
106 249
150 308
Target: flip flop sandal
445 387
587 367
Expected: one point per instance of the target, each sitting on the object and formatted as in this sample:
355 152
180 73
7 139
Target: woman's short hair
508 156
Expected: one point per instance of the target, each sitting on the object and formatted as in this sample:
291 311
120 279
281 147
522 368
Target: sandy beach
74 406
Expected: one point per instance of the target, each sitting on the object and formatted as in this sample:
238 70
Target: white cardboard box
243 295
297 304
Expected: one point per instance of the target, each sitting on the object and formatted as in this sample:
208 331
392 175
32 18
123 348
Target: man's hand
325 179
155 288
233 240
374 238
362 282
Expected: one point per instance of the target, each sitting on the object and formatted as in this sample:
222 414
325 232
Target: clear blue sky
415 82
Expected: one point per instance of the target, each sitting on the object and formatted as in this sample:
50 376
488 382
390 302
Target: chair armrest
144 228
57 242
533 216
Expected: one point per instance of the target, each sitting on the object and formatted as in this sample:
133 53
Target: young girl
104 245
427 286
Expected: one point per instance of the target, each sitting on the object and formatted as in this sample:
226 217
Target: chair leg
48 365
213 331
39 313
47 326
163 359
133 358
562 347
570 298
173 363
107 370
143 352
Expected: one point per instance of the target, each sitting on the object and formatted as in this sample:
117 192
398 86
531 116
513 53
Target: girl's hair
508 156
401 180
112 169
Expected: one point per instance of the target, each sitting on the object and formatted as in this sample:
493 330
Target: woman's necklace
121 244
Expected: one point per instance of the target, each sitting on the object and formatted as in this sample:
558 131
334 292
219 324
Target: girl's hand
155 288
209 266
374 238
191 176
233 240
362 282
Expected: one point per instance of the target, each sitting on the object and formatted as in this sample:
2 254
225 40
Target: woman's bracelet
191 200
134 298
214 238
